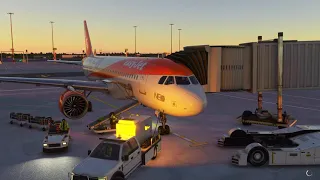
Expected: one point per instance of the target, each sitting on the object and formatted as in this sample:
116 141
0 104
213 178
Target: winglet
87 40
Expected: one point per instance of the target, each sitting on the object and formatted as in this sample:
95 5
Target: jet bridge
257 66
218 68
253 66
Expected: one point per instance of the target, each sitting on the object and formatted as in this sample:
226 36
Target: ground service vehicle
241 138
264 117
299 150
116 157
31 121
56 139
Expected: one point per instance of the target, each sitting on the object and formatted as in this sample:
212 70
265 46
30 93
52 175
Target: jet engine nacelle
73 105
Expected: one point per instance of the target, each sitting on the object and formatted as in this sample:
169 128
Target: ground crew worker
64 126
113 121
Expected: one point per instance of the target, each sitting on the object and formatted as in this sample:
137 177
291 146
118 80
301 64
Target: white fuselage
173 99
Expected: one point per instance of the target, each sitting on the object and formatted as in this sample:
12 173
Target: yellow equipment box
138 126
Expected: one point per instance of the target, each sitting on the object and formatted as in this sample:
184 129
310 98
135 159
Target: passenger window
133 144
162 79
181 80
126 149
169 80
194 80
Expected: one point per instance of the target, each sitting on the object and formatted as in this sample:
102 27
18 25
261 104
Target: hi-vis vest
64 125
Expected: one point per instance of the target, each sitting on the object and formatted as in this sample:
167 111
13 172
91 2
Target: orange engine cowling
73 105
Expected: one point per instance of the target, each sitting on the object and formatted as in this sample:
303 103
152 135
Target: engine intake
73 105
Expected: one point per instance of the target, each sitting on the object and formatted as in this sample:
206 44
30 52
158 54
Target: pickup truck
116 157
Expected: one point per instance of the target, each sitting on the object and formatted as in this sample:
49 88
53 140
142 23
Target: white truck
116 157
303 149
56 139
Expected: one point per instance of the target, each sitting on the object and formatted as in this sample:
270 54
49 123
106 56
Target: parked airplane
159 83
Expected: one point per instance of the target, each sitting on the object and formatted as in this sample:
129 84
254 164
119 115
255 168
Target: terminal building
253 66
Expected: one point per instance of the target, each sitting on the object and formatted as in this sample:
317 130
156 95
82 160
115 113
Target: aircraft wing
67 62
101 86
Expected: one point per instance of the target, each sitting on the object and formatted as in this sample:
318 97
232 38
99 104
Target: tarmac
189 152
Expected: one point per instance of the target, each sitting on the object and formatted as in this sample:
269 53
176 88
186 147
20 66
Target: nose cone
196 102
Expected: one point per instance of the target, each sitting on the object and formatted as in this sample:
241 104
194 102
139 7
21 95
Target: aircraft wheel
161 130
11 122
30 127
167 129
258 156
21 124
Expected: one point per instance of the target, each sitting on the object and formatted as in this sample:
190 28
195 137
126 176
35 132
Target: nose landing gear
164 129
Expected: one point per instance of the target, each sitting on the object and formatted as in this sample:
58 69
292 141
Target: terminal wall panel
231 69
301 65
247 67
214 69
267 66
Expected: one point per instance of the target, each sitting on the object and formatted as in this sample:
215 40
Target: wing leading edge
67 62
76 84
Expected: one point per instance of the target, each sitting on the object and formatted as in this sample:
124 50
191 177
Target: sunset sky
110 23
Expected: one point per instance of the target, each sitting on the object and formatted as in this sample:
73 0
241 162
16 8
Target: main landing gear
163 129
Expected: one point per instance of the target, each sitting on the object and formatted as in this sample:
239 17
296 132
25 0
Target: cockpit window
169 80
162 79
181 80
194 80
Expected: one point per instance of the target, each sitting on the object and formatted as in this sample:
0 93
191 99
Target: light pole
171 36
11 36
53 49
179 38
27 55
135 39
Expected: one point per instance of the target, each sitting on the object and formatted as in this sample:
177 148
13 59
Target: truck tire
238 133
155 153
258 156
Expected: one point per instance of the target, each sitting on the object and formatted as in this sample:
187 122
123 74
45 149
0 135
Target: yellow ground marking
193 142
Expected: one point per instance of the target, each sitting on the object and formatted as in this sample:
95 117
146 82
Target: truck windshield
53 130
107 151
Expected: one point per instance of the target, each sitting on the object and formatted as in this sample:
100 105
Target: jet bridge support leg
264 117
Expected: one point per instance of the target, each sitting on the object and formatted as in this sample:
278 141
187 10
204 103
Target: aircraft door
142 84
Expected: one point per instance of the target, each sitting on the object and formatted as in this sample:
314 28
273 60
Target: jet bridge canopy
218 68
